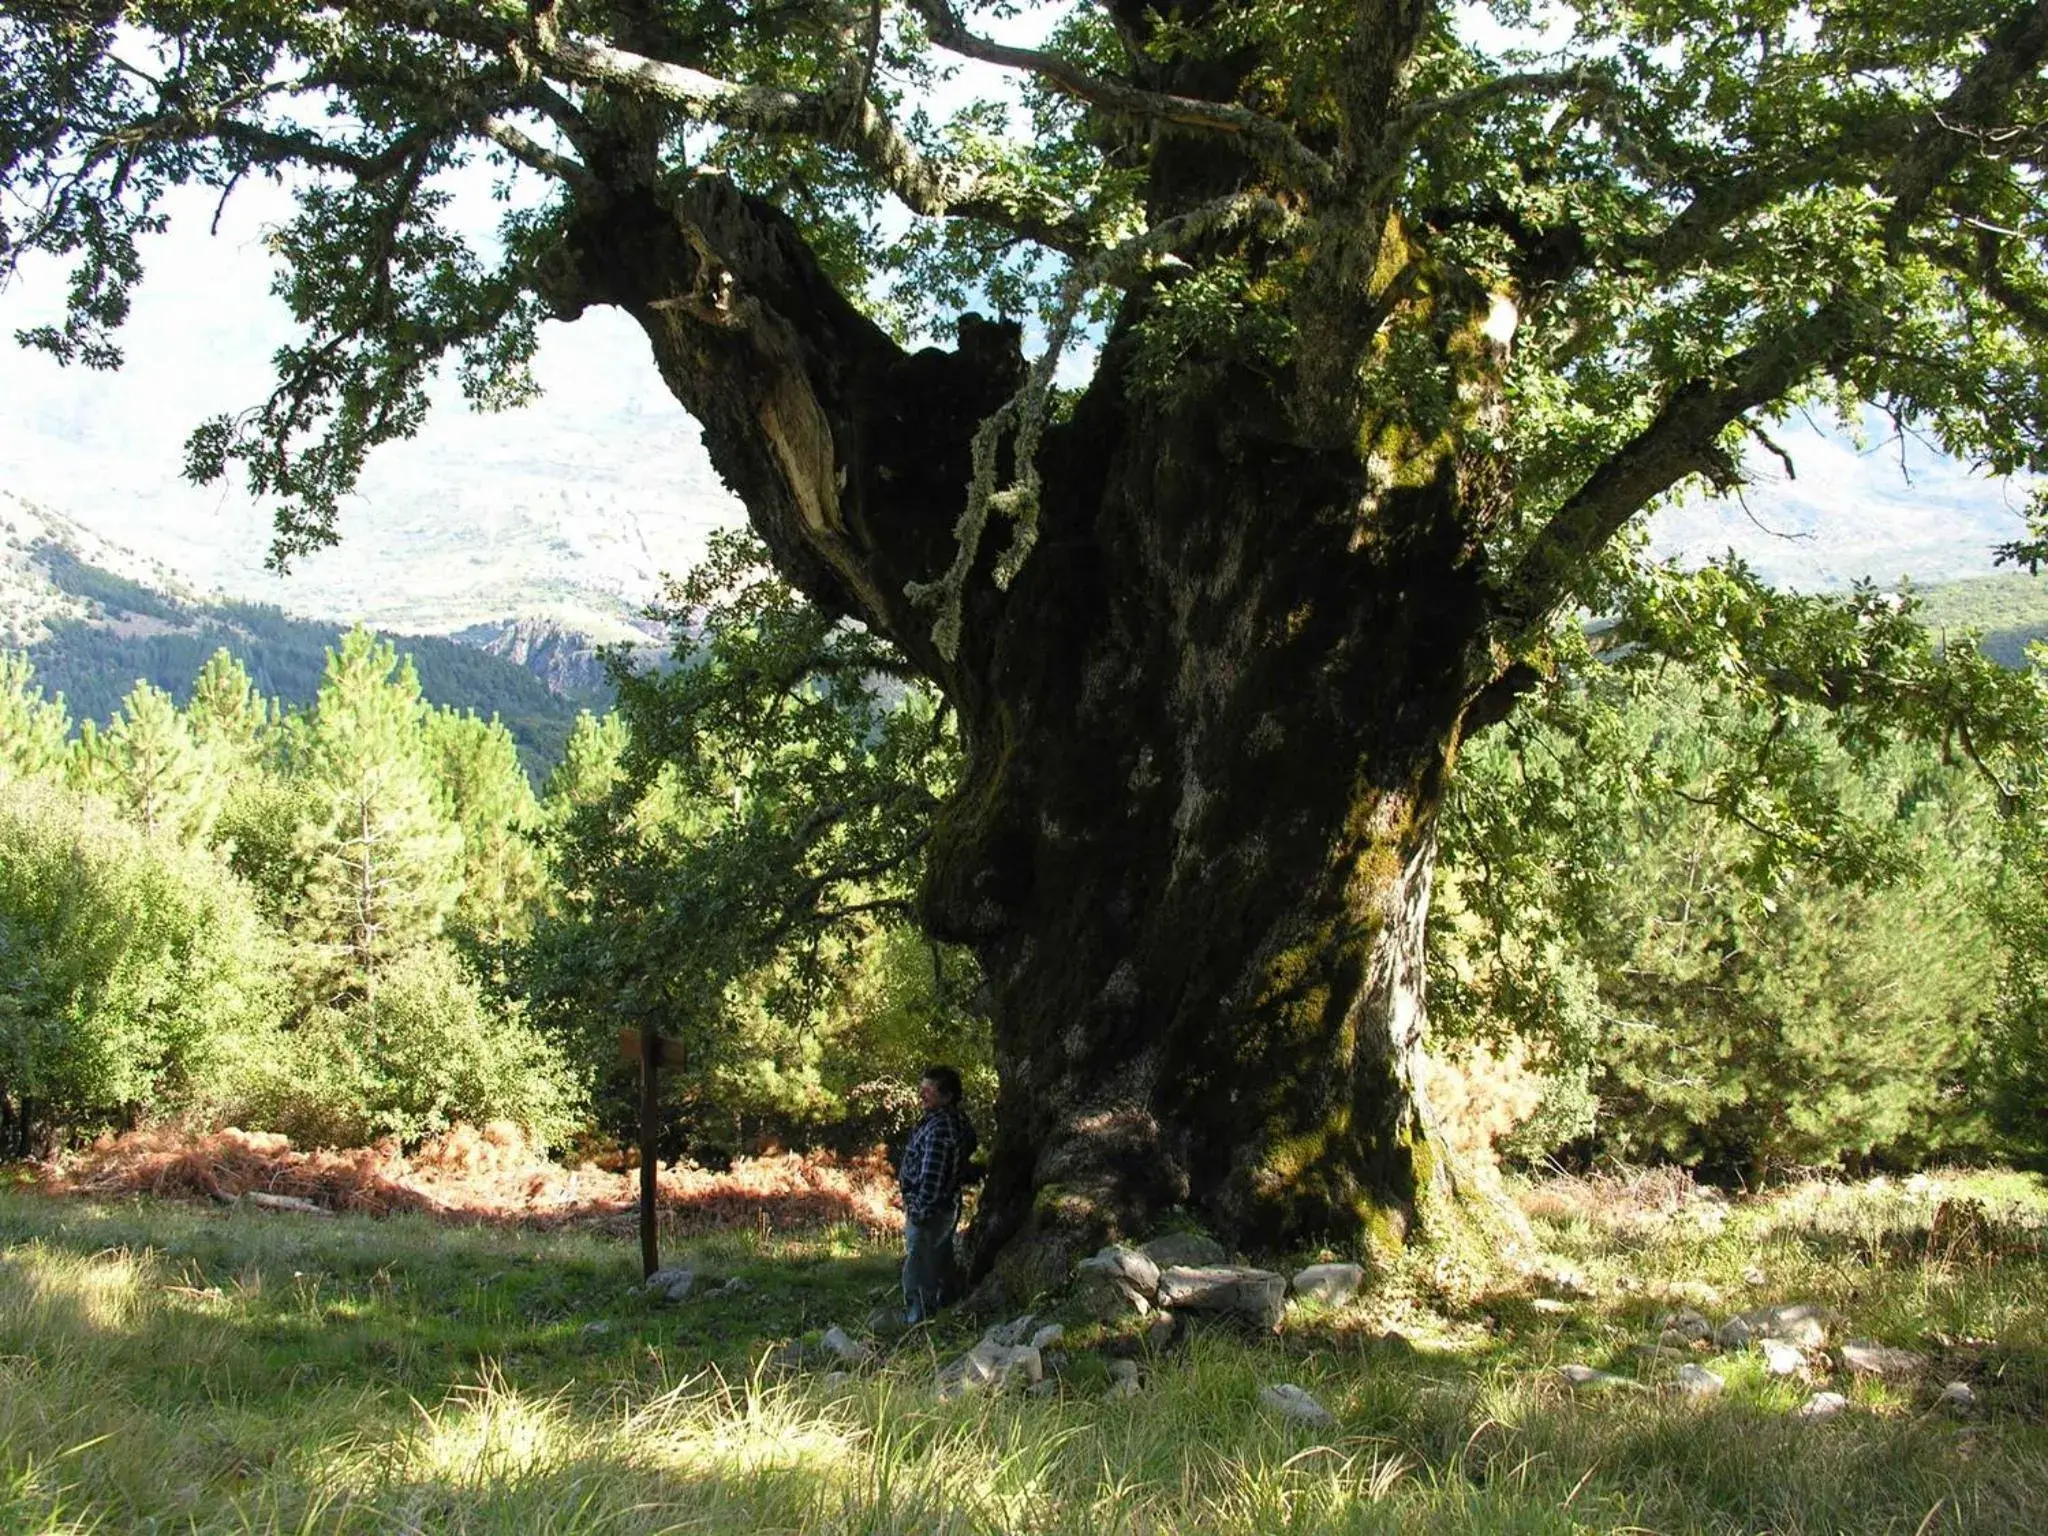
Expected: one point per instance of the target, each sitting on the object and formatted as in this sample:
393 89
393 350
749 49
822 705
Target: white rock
1862 1357
1256 1296
1124 1370
1014 1332
1698 1381
1291 1402
1046 1337
845 1349
1799 1322
1116 1283
1782 1359
992 1366
672 1284
1550 1306
1822 1405
1331 1284
1960 1396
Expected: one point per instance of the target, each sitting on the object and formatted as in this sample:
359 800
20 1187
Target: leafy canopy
1594 244
723 866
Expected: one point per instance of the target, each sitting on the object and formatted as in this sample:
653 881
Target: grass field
175 1368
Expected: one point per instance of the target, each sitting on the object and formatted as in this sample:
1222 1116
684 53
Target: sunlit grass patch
182 1369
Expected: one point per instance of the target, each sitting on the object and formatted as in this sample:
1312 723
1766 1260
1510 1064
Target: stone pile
1793 1339
1010 1357
1189 1273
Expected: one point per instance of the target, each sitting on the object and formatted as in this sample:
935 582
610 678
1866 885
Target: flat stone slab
1187 1249
1822 1405
1292 1402
837 1343
1017 1331
1861 1357
1330 1284
672 1284
992 1367
1256 1296
1698 1381
1799 1323
1782 1359
1116 1283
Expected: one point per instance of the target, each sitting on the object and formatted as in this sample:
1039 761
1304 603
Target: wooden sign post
653 1052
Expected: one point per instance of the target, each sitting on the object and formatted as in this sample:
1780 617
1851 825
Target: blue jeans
927 1260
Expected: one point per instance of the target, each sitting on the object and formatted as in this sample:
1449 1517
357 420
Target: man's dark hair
946 1080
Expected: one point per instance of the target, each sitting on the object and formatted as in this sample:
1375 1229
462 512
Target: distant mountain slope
569 512
92 632
566 661
2010 609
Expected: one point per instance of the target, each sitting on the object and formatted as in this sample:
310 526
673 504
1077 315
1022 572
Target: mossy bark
1209 731
1208 728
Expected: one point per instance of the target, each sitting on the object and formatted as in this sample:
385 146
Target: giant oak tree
1401 313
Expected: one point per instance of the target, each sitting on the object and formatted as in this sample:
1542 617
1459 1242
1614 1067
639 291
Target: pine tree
32 728
494 807
589 767
226 715
382 857
147 763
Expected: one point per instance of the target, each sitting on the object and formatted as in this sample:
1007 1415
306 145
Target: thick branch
1683 439
517 144
924 186
1406 128
1305 166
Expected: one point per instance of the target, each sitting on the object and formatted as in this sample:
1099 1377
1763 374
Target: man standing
934 1167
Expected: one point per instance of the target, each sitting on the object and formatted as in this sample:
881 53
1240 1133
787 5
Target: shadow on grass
187 1369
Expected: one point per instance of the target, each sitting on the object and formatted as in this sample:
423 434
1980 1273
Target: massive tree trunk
1208 730
1210 726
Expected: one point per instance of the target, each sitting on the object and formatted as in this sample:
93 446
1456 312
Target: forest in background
1680 919
137 633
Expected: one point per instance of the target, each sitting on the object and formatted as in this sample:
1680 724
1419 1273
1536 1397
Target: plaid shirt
933 1162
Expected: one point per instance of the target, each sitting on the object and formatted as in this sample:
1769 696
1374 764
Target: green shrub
424 1052
134 974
